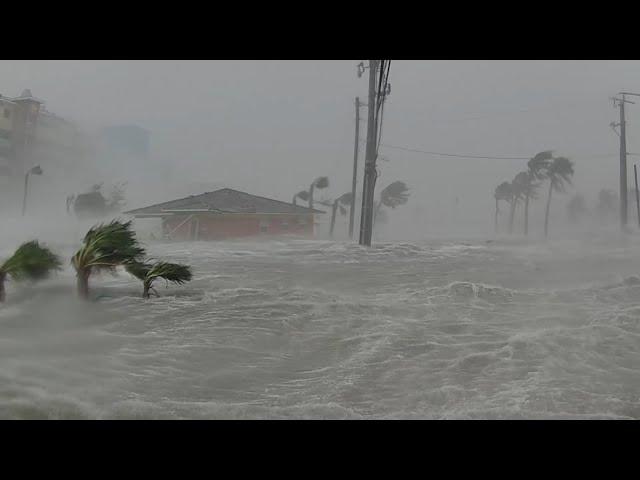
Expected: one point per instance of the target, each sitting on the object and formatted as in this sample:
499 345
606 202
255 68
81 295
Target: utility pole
624 187
635 175
366 217
352 211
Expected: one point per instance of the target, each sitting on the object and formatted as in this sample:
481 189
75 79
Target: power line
494 157
490 157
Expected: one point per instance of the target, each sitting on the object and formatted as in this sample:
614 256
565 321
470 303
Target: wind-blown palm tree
150 272
536 169
104 248
392 196
502 192
518 188
559 174
339 203
302 195
31 261
320 183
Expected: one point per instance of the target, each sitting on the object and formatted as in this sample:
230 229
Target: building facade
228 213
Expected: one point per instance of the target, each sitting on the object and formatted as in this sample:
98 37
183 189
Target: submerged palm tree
518 189
31 261
537 170
302 195
559 174
340 203
150 272
502 192
104 248
320 183
392 196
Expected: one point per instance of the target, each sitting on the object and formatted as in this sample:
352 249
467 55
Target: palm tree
393 195
105 247
518 189
502 192
559 174
320 183
302 195
31 261
536 169
341 203
150 272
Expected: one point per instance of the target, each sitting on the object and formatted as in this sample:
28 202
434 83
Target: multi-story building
31 135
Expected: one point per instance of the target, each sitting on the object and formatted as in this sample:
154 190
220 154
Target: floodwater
442 329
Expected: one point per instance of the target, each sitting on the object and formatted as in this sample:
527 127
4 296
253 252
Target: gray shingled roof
225 200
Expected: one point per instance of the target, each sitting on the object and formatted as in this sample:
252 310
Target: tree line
392 196
543 168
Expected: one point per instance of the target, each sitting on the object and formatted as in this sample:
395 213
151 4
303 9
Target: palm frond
345 198
395 194
303 195
106 246
31 261
321 182
140 270
503 192
171 272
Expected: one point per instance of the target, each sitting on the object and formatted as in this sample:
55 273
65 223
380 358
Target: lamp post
34 171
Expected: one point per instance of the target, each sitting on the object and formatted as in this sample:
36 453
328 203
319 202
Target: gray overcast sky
271 126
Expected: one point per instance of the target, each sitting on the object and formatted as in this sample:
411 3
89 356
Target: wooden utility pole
352 210
624 187
623 167
635 175
366 217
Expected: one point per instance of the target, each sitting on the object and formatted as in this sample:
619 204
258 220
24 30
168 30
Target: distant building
30 134
228 213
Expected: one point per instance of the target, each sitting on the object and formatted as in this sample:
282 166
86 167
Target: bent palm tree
559 174
536 169
392 196
341 203
320 183
502 192
302 195
149 273
31 261
518 188
105 247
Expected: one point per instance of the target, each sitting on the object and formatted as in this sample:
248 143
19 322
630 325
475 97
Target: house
228 213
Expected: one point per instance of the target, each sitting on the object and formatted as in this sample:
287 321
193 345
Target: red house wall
223 226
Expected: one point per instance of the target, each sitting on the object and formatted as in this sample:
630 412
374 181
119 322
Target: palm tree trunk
375 213
546 213
311 196
333 218
526 215
82 277
512 215
496 218
3 295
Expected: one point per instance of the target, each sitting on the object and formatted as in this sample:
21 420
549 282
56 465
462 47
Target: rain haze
452 312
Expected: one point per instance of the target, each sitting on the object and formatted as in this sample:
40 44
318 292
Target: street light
34 171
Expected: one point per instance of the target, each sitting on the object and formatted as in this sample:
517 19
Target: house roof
225 200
